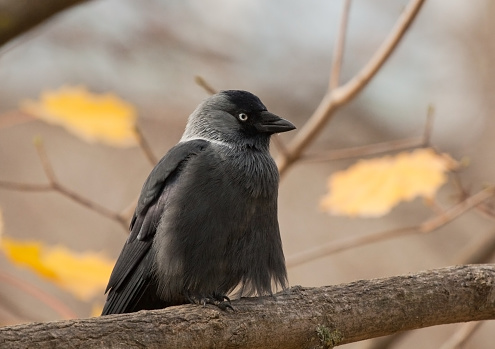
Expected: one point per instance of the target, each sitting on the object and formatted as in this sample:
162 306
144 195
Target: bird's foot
219 300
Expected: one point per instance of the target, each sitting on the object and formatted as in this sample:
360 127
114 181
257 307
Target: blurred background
149 52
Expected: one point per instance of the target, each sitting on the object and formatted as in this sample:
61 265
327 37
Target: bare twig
25 186
484 208
378 148
463 333
45 163
204 84
430 116
129 210
45 298
145 146
90 204
456 181
365 150
425 227
13 118
55 185
338 52
279 144
343 94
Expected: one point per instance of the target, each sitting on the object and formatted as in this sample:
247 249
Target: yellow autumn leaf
82 274
95 118
373 187
27 254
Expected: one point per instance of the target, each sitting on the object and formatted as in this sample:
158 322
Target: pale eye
243 116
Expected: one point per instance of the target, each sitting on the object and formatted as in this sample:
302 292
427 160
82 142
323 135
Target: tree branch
299 318
427 226
55 185
377 148
341 95
338 52
205 85
18 16
145 146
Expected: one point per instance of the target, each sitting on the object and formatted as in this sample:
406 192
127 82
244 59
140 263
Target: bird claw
221 301
224 305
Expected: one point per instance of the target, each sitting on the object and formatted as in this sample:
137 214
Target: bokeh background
149 52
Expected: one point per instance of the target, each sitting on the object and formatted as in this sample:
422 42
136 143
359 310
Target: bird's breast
253 170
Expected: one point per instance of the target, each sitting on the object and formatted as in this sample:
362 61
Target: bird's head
234 117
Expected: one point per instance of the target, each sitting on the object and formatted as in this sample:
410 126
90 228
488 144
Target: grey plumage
206 220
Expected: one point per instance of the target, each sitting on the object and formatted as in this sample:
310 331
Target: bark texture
300 318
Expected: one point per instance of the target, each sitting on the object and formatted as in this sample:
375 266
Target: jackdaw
206 223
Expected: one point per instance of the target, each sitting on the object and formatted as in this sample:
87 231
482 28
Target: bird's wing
130 277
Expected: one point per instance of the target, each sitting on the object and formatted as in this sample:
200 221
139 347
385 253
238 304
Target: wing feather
131 277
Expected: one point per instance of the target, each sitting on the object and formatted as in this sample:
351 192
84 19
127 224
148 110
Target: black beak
271 123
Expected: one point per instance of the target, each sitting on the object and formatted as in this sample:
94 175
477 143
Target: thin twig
365 150
277 141
485 209
430 116
463 333
434 205
204 84
127 212
343 94
45 298
425 227
45 163
378 148
13 118
462 193
104 211
13 313
145 146
25 186
57 186
338 52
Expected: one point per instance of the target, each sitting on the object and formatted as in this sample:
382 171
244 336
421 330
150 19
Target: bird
205 224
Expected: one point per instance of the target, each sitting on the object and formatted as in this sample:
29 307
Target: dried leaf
82 274
27 254
373 187
95 118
